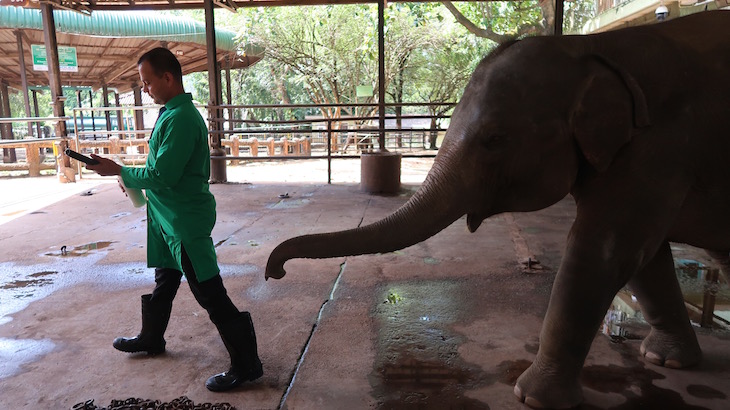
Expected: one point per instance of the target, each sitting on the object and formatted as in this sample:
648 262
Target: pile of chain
181 403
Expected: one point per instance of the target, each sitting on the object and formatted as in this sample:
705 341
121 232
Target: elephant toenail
535 404
518 392
654 358
672 364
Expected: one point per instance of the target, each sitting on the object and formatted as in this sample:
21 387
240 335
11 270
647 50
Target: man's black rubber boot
240 340
154 323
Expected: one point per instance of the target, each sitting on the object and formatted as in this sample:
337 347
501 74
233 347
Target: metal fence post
329 151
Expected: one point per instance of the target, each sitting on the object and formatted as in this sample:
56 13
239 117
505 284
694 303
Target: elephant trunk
431 209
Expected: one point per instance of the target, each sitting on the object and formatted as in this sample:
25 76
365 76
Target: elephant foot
541 387
670 350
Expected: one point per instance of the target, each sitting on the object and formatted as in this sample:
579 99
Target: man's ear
608 107
168 77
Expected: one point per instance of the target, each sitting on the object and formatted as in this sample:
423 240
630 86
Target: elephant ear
609 106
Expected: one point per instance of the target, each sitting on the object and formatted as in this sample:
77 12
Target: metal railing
330 137
327 131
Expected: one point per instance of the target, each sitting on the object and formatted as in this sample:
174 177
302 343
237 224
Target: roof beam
116 72
83 5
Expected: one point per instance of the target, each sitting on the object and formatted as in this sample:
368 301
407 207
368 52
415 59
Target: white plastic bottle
135 195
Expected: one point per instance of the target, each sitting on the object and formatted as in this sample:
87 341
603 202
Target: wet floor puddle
33 280
64 251
14 353
638 384
286 203
417 361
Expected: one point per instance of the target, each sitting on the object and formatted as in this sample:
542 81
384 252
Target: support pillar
138 114
37 114
6 128
229 63
105 102
120 116
65 172
381 74
708 300
217 166
380 169
24 80
81 126
559 10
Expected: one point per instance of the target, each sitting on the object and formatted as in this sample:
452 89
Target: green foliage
577 13
321 54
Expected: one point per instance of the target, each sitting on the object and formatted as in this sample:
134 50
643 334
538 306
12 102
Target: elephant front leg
672 341
582 293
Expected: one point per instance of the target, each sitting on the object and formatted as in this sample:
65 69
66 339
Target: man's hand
105 167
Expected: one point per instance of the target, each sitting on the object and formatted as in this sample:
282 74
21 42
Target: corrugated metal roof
117 24
108 45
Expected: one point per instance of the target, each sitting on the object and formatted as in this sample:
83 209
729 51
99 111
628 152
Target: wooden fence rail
134 151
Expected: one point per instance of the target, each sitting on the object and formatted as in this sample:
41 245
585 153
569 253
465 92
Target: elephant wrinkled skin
632 123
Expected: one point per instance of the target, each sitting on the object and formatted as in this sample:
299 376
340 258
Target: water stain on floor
16 352
290 203
705 392
418 365
636 384
38 279
81 250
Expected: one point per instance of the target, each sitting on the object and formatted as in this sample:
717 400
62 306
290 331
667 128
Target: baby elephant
633 124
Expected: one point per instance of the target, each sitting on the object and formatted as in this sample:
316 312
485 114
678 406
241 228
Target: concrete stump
218 166
380 172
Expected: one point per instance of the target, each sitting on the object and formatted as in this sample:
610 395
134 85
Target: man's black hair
162 61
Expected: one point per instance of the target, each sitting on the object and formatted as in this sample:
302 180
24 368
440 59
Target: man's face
158 87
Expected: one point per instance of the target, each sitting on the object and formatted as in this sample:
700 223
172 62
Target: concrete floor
448 323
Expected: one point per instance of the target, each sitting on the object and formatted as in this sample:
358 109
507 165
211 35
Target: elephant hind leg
672 341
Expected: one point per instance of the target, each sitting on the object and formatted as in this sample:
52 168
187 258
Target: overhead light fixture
179 52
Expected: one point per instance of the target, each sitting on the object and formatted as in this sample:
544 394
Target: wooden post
114 146
82 126
381 74
120 116
558 28
54 80
33 159
93 116
284 146
708 301
217 166
138 114
235 149
37 114
270 144
254 147
24 80
105 101
6 128
229 63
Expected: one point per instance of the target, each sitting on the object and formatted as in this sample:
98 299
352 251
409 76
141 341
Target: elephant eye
494 141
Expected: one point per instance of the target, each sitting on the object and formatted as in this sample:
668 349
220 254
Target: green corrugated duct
118 24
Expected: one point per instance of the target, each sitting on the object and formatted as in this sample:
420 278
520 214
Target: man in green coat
180 217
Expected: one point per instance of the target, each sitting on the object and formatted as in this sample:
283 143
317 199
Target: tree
411 28
501 21
326 51
444 72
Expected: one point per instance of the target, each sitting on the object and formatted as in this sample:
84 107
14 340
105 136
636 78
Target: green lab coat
180 207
